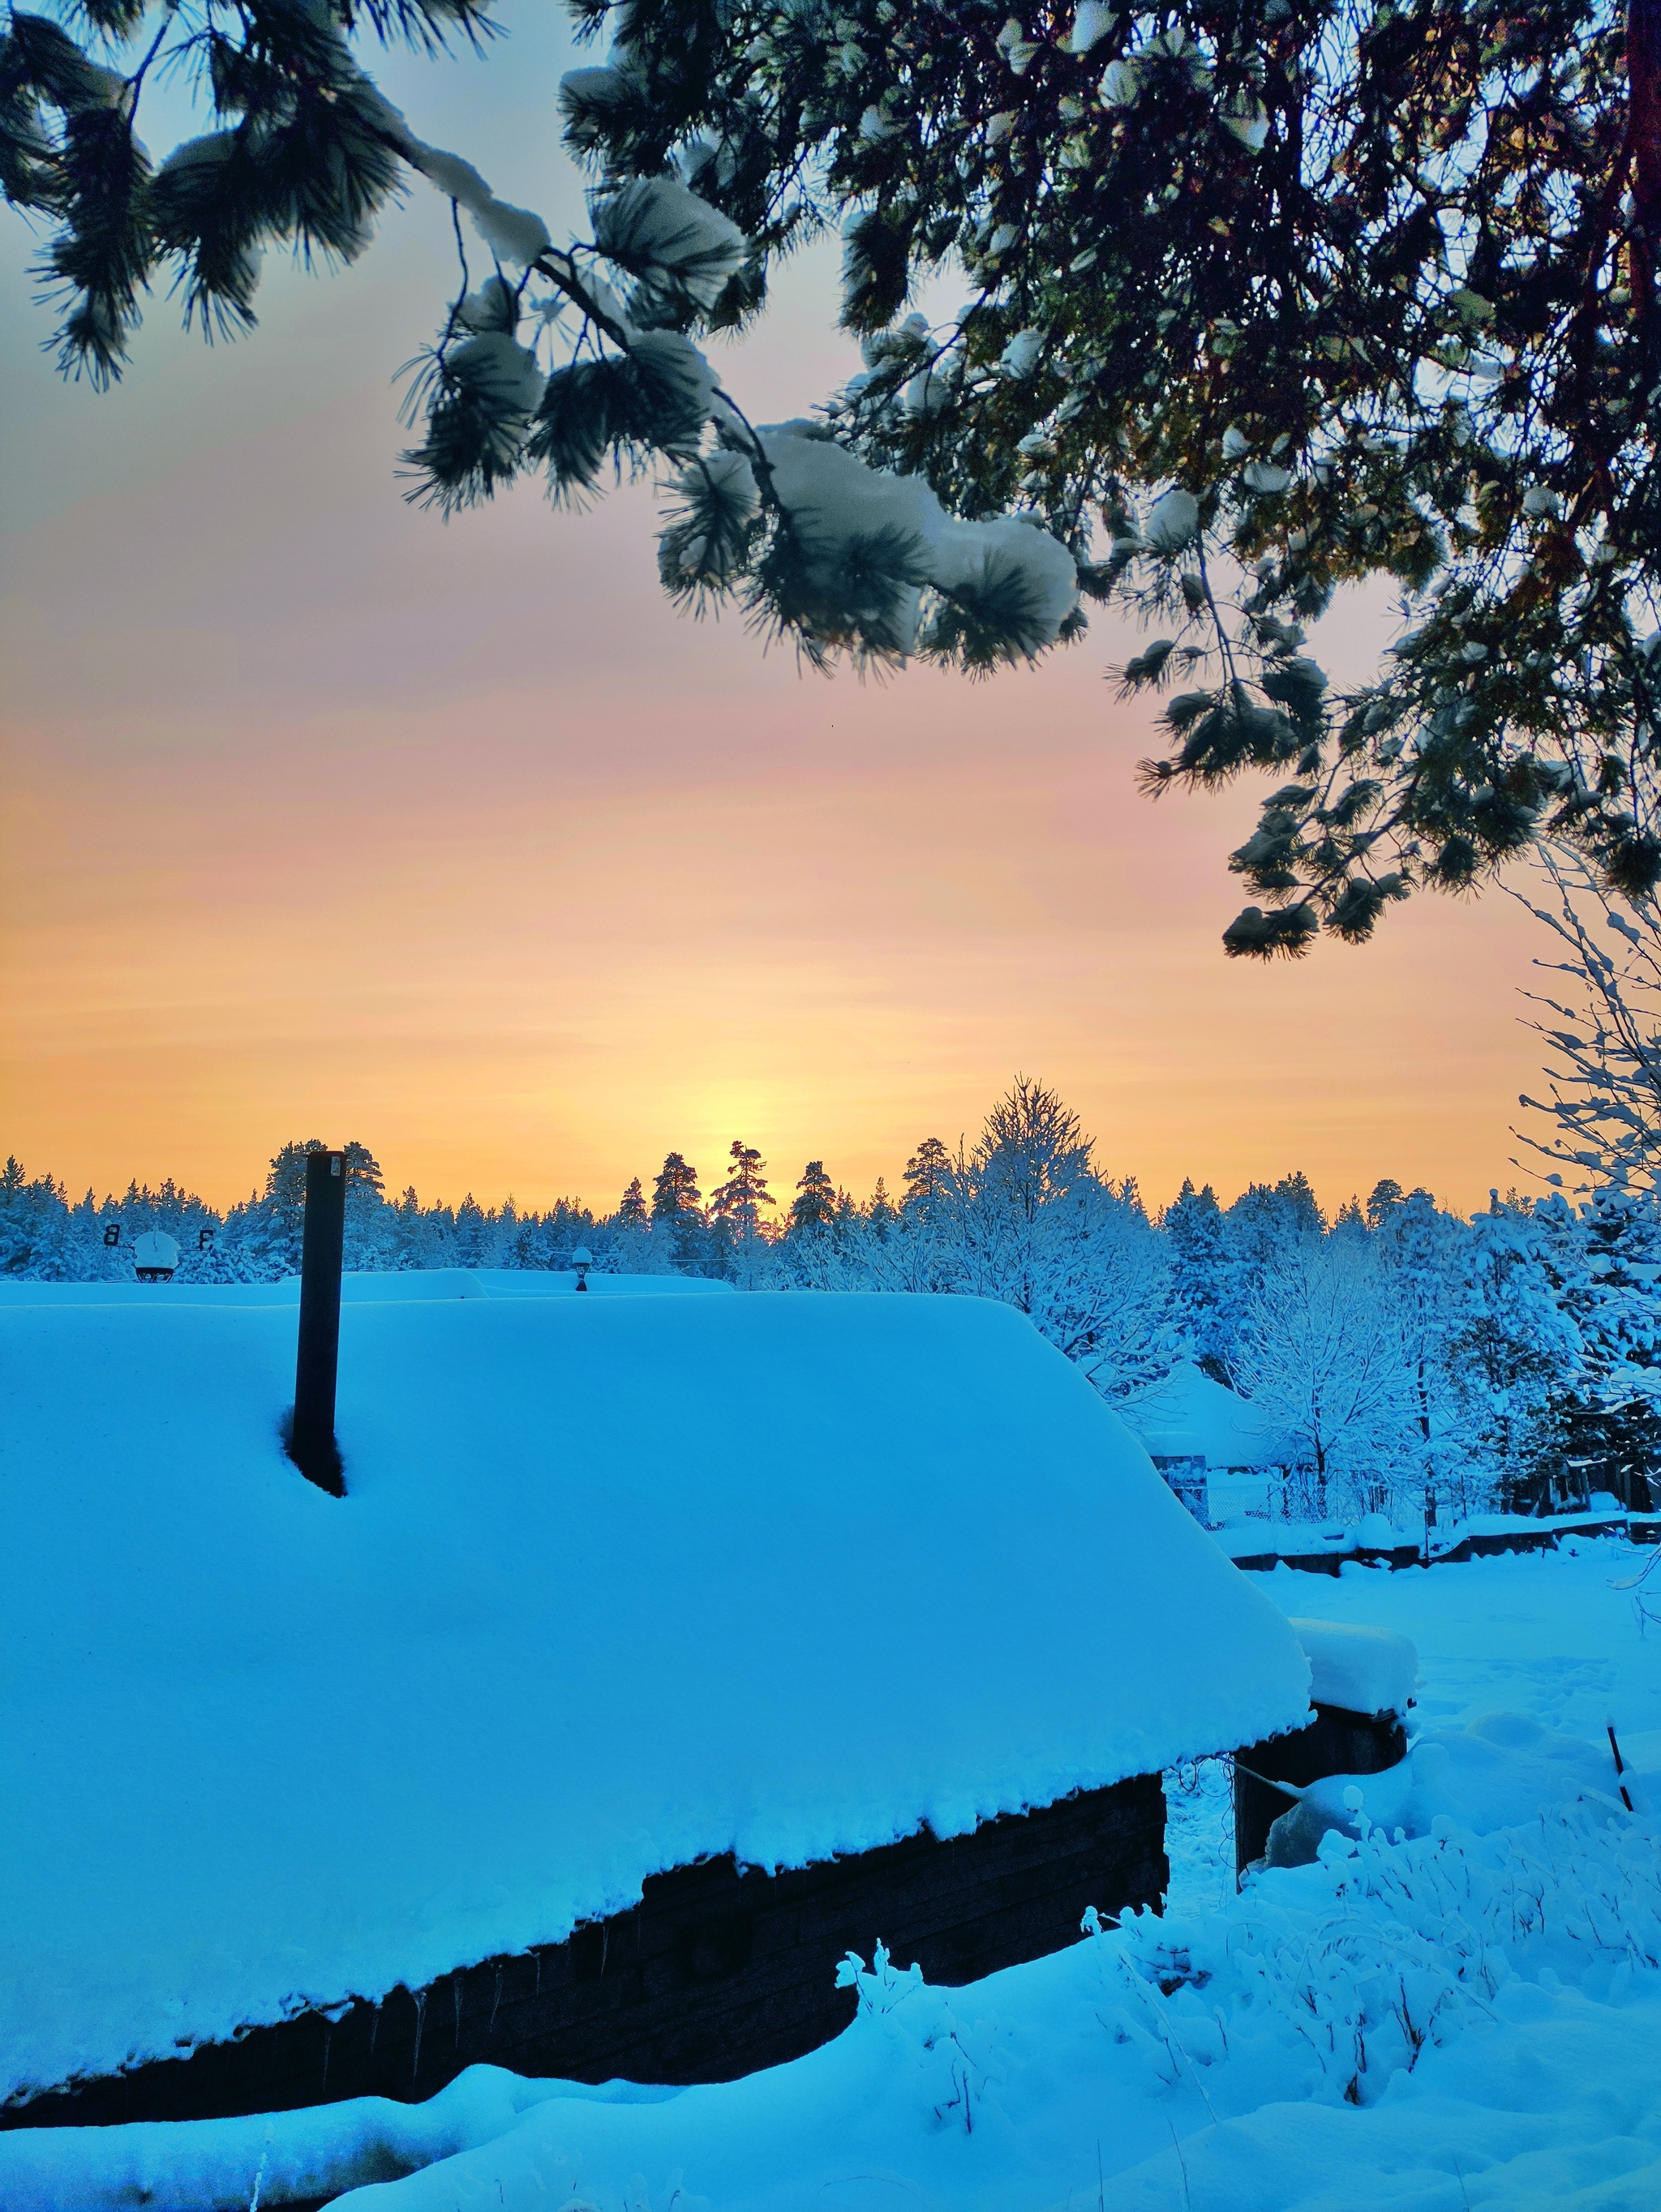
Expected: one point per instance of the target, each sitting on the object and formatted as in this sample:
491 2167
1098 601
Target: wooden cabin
662 1650
1211 1445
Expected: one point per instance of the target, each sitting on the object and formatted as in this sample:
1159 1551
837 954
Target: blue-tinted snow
618 1582
1493 2003
1357 1665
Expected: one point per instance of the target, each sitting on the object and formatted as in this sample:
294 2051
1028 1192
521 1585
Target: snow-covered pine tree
1386 1194
370 1241
1613 1426
674 1189
930 1174
1264 1223
738 1201
735 1247
1026 1219
264 1238
677 1215
1513 1362
1204 1292
832 1245
573 361
630 1245
1266 1217
814 1206
283 1206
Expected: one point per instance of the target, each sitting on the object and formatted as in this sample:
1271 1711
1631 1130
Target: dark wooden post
311 1444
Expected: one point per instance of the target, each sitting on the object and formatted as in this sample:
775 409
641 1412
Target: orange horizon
328 819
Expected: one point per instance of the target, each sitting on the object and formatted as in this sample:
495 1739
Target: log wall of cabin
717 1972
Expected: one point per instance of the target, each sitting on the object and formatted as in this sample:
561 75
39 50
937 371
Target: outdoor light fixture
112 1234
582 1259
156 1254
205 1240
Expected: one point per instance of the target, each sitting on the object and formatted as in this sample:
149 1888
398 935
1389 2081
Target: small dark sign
112 1234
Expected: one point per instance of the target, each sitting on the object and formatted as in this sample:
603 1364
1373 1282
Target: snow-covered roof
1189 1413
617 1582
1364 1668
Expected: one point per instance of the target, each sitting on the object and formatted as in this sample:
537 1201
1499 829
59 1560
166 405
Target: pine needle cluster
1268 299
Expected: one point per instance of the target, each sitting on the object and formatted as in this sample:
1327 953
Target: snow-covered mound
617 1582
1363 1668
1498 1773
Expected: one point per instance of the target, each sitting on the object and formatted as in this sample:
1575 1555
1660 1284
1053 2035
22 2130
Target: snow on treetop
615 1584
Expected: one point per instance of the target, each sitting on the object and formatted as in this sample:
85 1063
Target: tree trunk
1644 93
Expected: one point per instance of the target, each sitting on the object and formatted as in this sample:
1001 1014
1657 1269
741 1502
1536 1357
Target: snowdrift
618 1583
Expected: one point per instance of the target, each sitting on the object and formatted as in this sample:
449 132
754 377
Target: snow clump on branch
1173 522
513 233
1007 572
843 556
658 229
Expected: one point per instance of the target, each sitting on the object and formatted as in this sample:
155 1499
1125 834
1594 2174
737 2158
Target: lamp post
582 1259
311 1444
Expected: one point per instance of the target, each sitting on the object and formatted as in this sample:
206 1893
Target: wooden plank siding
1336 1741
717 1972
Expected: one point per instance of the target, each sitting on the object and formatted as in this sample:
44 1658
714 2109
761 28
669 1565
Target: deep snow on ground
1460 2021
617 1583
1555 1636
1552 1635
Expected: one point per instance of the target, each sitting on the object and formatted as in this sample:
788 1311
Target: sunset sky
324 818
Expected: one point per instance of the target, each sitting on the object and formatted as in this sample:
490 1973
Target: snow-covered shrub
1336 1975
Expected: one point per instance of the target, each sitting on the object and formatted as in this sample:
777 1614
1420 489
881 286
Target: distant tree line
1402 1358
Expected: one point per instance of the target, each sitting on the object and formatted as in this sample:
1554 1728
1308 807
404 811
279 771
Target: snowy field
1457 2021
